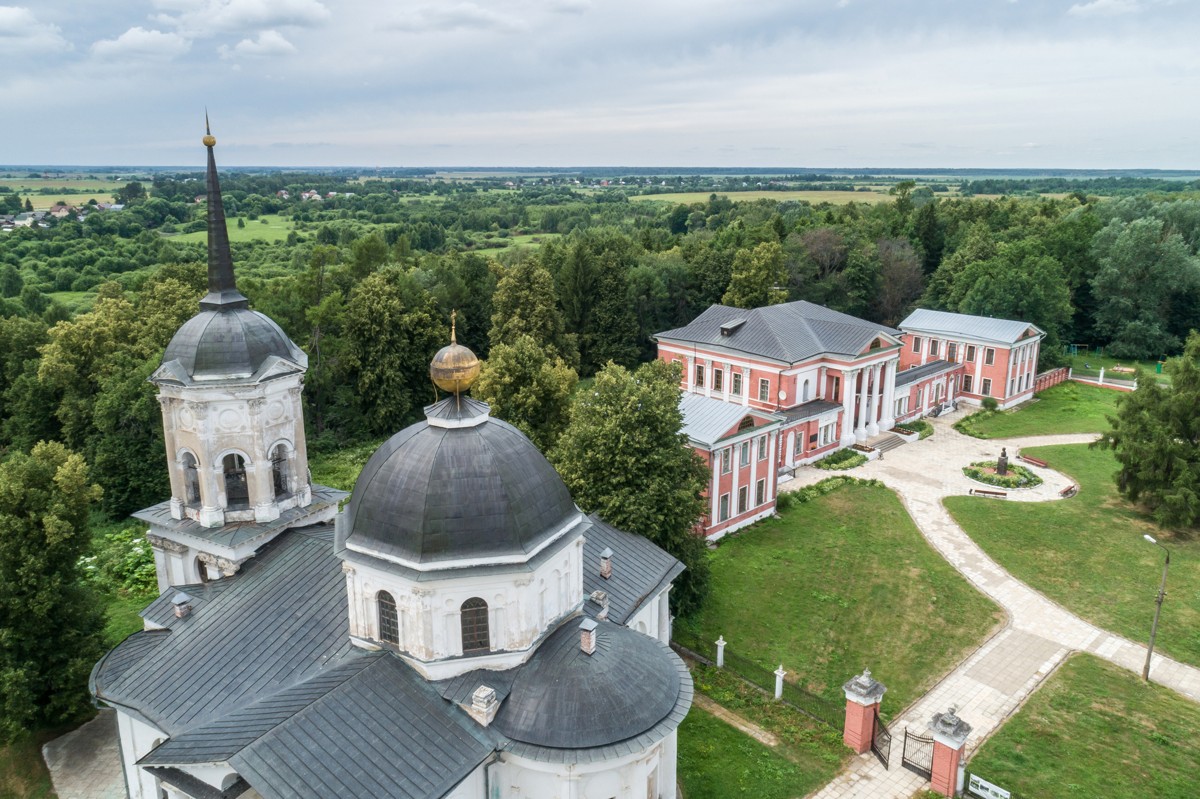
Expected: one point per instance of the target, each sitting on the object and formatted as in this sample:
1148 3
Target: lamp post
1162 594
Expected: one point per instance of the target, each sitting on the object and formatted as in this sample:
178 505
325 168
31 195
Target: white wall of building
644 775
137 739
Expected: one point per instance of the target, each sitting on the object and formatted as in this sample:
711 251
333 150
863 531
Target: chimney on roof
183 605
601 599
587 636
606 563
484 705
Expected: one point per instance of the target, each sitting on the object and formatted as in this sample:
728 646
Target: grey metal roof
932 368
384 733
563 698
235 533
198 789
230 343
790 332
432 494
640 569
706 420
982 328
459 689
810 409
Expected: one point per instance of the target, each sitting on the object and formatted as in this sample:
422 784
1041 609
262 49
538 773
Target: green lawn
1095 730
1066 408
838 583
268 227
1089 366
717 761
1087 553
23 773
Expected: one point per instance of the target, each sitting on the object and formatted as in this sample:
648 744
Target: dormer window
475 636
389 619
237 492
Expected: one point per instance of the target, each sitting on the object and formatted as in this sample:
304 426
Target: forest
551 282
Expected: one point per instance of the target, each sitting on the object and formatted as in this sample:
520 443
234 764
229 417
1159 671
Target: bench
987 492
1069 491
1034 461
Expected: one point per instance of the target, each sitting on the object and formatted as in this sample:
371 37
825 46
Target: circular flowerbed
1017 477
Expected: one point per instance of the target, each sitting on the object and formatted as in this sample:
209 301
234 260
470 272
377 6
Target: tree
524 305
529 389
624 457
900 280
131 192
50 625
11 282
1155 437
759 277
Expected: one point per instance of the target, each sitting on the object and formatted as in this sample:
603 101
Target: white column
889 395
750 503
772 464
848 378
690 377
860 417
876 399
746 385
708 378
925 351
716 486
1012 357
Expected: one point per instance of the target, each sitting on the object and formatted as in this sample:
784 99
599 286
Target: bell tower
233 422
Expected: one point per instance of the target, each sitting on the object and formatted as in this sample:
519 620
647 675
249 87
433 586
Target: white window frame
744 454
726 460
735 384
760 492
933 348
723 508
968 383
989 357
970 353
762 447
743 499
764 389
827 434
718 383
699 382
986 387
916 344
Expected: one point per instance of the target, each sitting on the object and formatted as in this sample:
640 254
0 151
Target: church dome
458 487
564 698
229 343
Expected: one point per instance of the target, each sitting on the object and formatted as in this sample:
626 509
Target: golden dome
455 367
210 140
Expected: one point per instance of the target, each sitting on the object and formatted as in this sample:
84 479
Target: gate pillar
949 737
863 695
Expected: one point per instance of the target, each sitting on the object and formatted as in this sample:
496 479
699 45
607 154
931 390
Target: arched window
202 570
237 493
279 471
475 636
804 396
746 423
191 480
389 620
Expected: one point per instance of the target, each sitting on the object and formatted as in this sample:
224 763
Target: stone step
889 443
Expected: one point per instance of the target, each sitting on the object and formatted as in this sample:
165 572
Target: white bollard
721 652
1101 375
779 673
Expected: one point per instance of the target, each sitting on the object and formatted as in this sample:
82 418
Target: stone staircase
886 442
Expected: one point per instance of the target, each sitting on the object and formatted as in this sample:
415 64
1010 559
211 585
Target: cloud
21 32
445 17
141 43
209 17
269 43
1104 8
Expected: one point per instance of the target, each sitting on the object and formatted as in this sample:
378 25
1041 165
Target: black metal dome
564 698
438 492
229 343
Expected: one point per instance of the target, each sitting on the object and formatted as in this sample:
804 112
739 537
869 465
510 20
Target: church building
458 629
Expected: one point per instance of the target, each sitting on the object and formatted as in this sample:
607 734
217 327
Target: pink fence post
949 737
863 695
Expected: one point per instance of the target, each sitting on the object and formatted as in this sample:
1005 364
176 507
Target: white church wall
522 606
643 775
653 618
137 739
473 787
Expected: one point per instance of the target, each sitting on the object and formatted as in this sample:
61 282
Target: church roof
639 569
434 495
790 332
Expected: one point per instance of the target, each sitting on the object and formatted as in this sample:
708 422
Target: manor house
766 390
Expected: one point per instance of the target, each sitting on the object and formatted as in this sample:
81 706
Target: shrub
842 459
123 562
1017 477
990 404
966 425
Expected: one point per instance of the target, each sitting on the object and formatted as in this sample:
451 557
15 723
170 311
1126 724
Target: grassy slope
276 229
1065 408
839 583
1097 730
1087 553
23 773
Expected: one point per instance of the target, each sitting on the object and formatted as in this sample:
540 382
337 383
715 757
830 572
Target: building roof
706 420
790 332
640 569
980 328
930 369
810 409
432 494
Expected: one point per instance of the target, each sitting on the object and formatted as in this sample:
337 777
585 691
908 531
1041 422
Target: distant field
835 197
25 185
43 202
268 227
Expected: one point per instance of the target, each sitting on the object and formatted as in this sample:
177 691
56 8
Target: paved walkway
85 763
734 720
994 680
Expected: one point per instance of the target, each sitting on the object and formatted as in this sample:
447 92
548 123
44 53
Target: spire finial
455 367
222 290
453 326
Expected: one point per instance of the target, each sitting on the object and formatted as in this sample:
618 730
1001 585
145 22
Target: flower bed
842 459
1017 477
917 427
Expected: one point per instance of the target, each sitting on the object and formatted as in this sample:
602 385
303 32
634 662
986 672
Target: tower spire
222 290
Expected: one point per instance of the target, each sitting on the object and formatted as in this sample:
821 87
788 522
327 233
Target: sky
1089 84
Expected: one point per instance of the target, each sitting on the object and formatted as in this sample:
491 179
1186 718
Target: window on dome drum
952 351
970 353
475 637
724 505
744 455
718 379
916 344
279 471
191 480
764 390
760 492
389 619
743 498
933 348
237 493
699 375
987 387
966 384
989 356
735 384
762 448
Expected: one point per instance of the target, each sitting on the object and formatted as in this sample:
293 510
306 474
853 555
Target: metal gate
918 754
881 742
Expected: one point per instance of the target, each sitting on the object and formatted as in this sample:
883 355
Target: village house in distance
459 630
768 389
